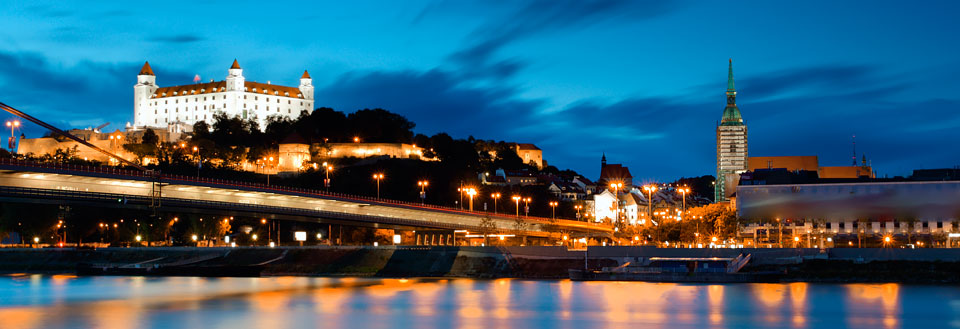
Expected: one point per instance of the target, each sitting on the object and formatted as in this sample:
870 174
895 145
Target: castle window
174 93
203 90
276 92
286 94
246 89
256 98
254 89
288 102
300 95
244 96
268 99
268 107
278 101
164 94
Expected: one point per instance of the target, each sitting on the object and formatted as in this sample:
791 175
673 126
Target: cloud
71 96
788 112
182 38
510 22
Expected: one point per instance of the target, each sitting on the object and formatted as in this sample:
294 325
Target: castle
184 105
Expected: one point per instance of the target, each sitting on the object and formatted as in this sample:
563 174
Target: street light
495 197
553 210
616 197
526 206
650 189
423 190
199 160
471 192
516 198
13 125
378 177
326 181
578 207
684 191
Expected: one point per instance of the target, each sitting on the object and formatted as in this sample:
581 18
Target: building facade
731 145
156 106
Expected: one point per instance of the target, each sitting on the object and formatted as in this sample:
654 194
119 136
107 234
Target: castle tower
235 79
731 145
146 86
306 85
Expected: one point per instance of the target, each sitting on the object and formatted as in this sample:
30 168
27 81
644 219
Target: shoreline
911 266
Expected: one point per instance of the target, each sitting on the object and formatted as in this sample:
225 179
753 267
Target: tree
149 137
381 126
487 227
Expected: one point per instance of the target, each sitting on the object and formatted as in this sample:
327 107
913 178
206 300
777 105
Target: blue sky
641 81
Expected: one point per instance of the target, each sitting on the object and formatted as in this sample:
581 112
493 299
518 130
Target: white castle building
185 105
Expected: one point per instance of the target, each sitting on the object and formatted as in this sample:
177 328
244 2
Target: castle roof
146 70
305 75
527 146
221 86
235 64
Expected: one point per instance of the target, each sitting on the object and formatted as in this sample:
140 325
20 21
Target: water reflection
291 302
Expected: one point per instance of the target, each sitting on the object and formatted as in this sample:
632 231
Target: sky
640 81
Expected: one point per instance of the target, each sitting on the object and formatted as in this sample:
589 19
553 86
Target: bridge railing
109 170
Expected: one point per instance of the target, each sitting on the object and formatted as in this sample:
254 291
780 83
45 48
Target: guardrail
201 181
136 200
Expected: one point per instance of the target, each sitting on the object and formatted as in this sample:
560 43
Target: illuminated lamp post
326 181
495 197
553 209
578 207
423 192
471 192
13 140
196 150
378 177
516 198
616 200
526 206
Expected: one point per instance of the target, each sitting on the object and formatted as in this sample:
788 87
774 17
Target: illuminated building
183 105
731 145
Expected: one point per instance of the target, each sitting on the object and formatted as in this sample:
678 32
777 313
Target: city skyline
576 79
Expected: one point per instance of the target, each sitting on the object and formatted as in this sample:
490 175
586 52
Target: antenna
854 150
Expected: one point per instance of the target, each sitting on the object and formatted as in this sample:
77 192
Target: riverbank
806 265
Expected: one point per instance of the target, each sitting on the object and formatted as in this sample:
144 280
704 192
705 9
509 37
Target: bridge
109 187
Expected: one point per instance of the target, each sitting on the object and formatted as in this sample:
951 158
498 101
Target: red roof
146 70
235 64
219 86
305 75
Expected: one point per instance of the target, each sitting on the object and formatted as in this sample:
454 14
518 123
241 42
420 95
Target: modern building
848 209
731 145
156 106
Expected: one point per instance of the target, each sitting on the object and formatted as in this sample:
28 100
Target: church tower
731 145
145 87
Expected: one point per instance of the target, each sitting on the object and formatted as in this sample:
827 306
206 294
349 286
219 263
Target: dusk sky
643 82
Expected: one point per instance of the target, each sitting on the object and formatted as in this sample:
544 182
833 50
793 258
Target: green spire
730 77
731 114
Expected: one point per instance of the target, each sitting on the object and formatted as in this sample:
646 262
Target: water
35 301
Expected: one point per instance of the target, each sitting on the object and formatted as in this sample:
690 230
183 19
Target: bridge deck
46 182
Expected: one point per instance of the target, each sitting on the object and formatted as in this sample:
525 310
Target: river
64 301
